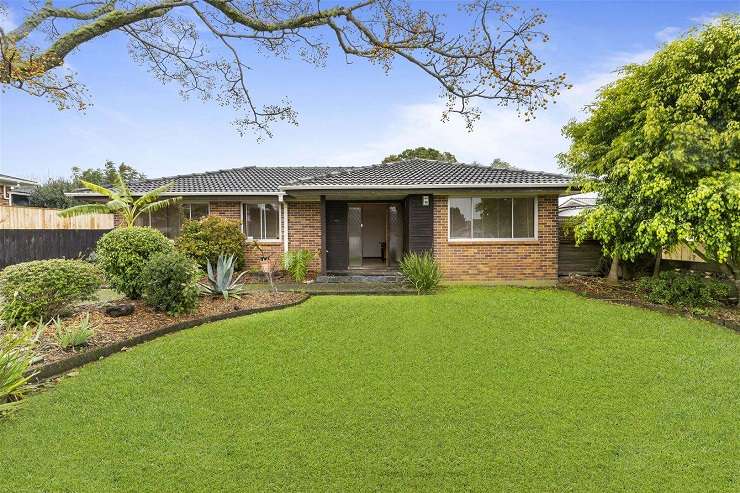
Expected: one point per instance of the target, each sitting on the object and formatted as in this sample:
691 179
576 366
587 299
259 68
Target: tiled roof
420 173
249 179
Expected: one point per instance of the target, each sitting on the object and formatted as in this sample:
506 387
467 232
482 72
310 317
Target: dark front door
337 247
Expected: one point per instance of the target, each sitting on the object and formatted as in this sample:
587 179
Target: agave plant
222 280
122 202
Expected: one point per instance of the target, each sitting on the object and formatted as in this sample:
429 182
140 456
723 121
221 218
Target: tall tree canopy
203 45
661 146
107 175
421 153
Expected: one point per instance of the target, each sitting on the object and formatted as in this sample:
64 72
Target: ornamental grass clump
421 271
296 263
16 358
72 335
43 289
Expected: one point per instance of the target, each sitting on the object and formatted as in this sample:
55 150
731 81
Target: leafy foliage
421 153
204 240
122 254
421 271
51 194
501 164
683 290
44 288
297 262
661 146
16 357
107 175
222 281
71 335
122 202
171 283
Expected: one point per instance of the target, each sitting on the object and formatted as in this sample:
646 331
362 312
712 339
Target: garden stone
119 310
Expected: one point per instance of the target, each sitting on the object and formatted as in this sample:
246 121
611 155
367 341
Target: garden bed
626 293
113 334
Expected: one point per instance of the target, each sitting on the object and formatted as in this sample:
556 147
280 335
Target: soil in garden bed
626 292
109 330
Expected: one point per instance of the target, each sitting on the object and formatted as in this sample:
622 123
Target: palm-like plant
122 202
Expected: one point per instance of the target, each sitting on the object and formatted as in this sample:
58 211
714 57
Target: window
500 218
195 210
262 220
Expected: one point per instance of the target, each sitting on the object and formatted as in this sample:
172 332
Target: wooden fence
36 218
22 245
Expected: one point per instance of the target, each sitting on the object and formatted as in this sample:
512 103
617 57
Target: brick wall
501 261
233 211
304 229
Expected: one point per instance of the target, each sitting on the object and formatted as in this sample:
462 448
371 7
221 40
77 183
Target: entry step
329 278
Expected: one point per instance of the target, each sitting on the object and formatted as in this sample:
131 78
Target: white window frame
489 240
262 203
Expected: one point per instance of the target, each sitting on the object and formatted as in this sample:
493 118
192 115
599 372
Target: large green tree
207 48
107 175
421 153
661 146
51 194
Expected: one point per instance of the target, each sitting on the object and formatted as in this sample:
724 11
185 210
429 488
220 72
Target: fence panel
22 245
37 218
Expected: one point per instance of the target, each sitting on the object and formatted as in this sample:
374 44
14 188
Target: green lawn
475 388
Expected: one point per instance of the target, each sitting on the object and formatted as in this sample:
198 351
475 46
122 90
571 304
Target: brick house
483 224
15 191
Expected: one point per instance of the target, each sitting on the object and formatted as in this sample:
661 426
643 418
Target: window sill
266 242
525 241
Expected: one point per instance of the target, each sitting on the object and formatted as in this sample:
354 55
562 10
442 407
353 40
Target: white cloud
668 34
500 133
7 22
706 19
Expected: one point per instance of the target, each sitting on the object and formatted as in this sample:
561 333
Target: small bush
123 253
42 289
683 290
170 283
421 271
297 262
73 335
16 357
206 239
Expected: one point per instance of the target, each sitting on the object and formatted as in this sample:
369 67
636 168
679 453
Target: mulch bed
112 330
625 293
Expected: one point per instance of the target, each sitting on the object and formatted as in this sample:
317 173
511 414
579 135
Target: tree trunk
656 267
614 270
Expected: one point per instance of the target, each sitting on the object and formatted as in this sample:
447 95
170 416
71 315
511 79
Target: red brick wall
304 229
500 261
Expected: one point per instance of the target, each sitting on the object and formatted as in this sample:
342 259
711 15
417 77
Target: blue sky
348 114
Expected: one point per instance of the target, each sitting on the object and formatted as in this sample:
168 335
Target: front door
354 232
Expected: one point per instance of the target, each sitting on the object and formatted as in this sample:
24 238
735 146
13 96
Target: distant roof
425 173
15 180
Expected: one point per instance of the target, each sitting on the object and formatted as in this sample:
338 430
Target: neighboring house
572 205
482 224
15 191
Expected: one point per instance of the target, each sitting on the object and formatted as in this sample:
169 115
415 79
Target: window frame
244 218
190 203
471 239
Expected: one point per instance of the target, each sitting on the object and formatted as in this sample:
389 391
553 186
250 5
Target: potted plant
264 259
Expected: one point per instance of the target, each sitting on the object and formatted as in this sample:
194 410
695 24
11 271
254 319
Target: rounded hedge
206 239
123 252
170 283
43 289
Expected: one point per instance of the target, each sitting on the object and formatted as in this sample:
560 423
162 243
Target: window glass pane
271 222
254 221
492 218
460 217
524 217
198 211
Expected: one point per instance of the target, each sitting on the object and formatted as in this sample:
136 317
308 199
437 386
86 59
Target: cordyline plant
491 60
661 146
122 202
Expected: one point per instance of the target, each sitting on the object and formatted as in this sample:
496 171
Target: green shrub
16 357
42 289
71 335
683 290
221 279
421 271
170 283
206 239
123 253
297 262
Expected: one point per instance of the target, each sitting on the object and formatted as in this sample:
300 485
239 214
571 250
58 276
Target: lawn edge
44 372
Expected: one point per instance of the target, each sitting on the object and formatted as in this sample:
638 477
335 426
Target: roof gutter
423 186
183 194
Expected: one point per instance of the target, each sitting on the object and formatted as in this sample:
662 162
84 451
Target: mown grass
474 388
